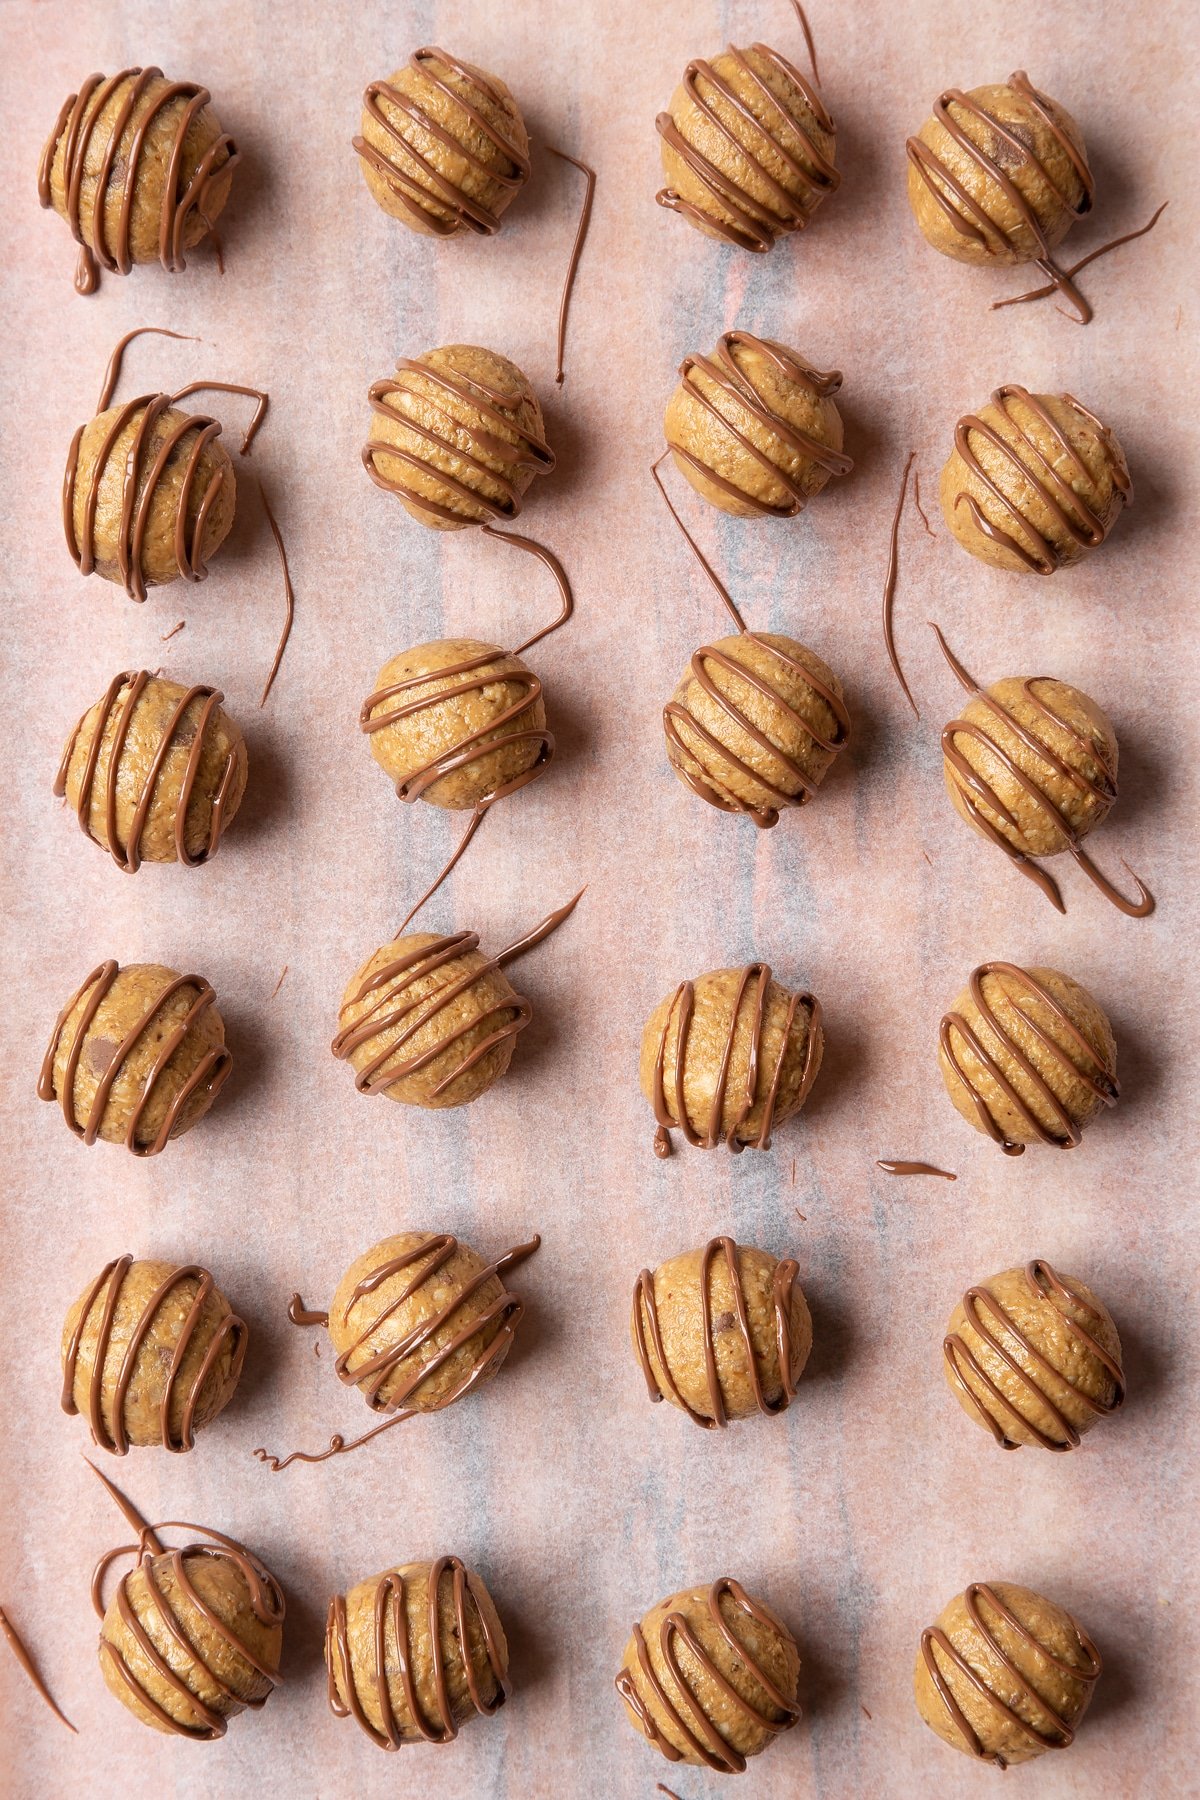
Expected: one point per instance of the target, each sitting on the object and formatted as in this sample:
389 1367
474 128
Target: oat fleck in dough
414 1653
710 1676
1033 1356
154 771
1004 1675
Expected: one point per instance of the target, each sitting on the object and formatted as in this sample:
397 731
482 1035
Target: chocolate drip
1093 256
914 1168
753 224
1069 509
934 1640
889 585
976 792
506 1312
389 1603
701 1736
266 1602
79 116
990 1321
231 1332
209 1075
127 856
647 1333
30 1669
1099 1078
673 1114
968 216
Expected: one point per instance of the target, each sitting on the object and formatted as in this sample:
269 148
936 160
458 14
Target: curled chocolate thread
935 1640
208 1077
231 1332
30 1669
753 224
1092 256
79 117
976 792
372 1375
998 1329
389 1603
1099 1078
1069 509
672 1114
127 689
889 586
701 1734
891 1167
968 216
647 1332
265 1600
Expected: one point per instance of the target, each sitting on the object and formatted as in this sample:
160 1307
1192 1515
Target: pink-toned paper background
874 1499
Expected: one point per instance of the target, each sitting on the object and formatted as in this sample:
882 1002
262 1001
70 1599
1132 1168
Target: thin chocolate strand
585 213
566 598
13 1638
889 587
478 814
289 596
128 1511
913 1168
1091 257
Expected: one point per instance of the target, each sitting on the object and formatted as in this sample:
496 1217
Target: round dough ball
728 1056
754 724
154 771
192 1637
457 435
747 147
150 495
722 1332
429 1021
457 722
137 1056
151 1353
1034 481
1034 1357
694 1695
416 1652
1027 1056
443 147
754 428
998 174
1004 1674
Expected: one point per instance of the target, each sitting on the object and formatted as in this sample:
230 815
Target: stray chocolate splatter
174 632
279 983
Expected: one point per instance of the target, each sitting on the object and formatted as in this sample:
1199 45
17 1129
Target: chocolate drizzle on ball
390 1604
426 1259
230 1335
1094 1073
647 1335
935 1643
698 1731
1010 1344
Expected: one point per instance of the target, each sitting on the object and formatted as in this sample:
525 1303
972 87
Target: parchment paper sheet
874 1500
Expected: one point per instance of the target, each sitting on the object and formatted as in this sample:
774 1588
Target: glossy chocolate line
30 1669
372 1375
890 1167
889 587
232 1331
935 1640
1100 1079
78 118
997 1327
1091 257
129 1512
585 213
390 1603
701 1735
210 1073
647 1333
289 615
127 855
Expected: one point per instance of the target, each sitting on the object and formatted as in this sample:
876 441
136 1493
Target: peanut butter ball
754 428
747 147
154 771
457 723
457 436
711 1677
755 723
151 1353
722 1332
727 1057
137 1056
443 147
1034 481
1027 1057
416 1652
1034 1357
139 168
1004 1674
191 1637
